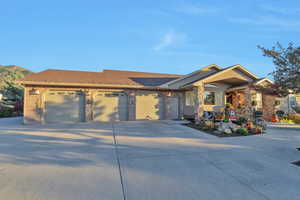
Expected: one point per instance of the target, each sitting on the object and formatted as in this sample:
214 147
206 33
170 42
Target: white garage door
64 106
110 106
149 106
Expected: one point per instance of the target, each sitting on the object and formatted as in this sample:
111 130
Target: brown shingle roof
107 77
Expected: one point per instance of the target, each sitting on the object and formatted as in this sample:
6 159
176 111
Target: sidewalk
283 125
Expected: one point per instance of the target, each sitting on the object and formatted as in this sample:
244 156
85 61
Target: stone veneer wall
268 102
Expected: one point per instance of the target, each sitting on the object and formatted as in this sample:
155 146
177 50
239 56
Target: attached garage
59 96
149 105
64 106
110 106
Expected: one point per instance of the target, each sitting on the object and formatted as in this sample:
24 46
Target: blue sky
155 36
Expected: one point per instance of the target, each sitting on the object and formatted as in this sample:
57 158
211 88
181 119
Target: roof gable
194 76
235 74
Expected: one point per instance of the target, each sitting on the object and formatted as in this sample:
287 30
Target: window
209 98
190 98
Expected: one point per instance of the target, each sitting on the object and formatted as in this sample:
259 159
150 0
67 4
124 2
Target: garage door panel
64 107
110 107
149 106
172 108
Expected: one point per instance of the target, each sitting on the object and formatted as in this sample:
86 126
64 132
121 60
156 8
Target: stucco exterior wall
34 103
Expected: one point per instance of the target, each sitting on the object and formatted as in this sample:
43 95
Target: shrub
241 121
226 120
242 131
5 111
280 113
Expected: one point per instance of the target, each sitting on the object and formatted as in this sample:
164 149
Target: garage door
64 106
172 108
149 106
110 106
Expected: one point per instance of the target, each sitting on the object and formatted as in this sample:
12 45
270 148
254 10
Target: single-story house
112 95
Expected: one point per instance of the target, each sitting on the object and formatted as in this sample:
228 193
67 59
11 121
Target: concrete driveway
144 160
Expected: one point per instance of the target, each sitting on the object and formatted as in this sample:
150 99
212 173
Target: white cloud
171 38
195 9
268 21
279 10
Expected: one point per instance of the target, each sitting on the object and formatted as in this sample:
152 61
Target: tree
287 72
11 91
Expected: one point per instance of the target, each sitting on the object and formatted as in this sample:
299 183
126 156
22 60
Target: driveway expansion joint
118 161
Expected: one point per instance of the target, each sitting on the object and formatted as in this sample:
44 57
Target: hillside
14 68
6 72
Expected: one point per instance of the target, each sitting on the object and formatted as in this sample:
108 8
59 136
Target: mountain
14 68
12 72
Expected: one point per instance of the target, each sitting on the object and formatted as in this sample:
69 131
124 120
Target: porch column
88 105
199 105
248 99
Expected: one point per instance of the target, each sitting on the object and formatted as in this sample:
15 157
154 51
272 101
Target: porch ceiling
232 81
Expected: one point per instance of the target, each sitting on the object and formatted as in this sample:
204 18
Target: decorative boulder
234 128
227 131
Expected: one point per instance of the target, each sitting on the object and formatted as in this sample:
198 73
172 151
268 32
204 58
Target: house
112 95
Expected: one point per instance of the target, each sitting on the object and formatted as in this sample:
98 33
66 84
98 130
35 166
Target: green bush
242 131
226 120
5 111
241 121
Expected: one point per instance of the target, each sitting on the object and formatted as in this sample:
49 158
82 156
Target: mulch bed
296 163
194 126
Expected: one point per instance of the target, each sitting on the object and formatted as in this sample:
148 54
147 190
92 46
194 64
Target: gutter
89 85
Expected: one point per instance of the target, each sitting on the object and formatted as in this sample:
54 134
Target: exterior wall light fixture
34 91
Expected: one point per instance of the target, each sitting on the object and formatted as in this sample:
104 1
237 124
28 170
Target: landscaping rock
228 131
